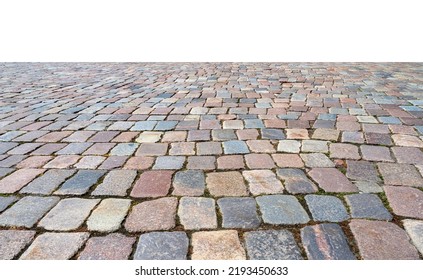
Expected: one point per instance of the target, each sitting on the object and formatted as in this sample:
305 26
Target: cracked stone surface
211 160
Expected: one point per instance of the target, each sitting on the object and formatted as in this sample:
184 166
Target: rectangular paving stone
272 245
152 149
352 137
272 133
239 212
223 134
230 162
48 182
405 201
68 214
166 125
139 163
259 161
378 139
197 213
124 149
144 125
367 206
148 137
362 170
260 146
314 146
115 246
399 174
55 246
81 182
182 148
230 183
162 246
113 162
116 183
189 183
379 240
108 215
344 151
326 208
326 242
262 182
332 180
235 147
217 245
326 134
247 134
152 215
18 179
289 146
169 162
27 211
411 155
376 153
288 160
209 148
282 210
368 187
6 201
12 242
194 135
152 184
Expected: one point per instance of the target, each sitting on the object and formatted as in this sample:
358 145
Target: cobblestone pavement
211 161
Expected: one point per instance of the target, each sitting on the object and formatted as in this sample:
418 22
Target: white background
216 30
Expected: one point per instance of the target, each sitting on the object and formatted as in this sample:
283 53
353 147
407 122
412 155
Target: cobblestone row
211 161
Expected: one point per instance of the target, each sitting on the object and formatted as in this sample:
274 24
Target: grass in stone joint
350 239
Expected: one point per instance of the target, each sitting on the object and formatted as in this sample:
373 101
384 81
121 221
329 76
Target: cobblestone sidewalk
211 161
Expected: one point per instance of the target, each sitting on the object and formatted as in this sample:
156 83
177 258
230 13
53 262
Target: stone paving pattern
211 161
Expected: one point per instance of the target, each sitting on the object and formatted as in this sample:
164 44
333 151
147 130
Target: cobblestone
235 151
108 215
272 245
282 210
217 245
326 208
55 246
239 212
158 214
197 213
114 246
162 246
68 214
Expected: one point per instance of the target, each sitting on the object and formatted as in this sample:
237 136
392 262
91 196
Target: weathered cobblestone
272 245
199 160
162 246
